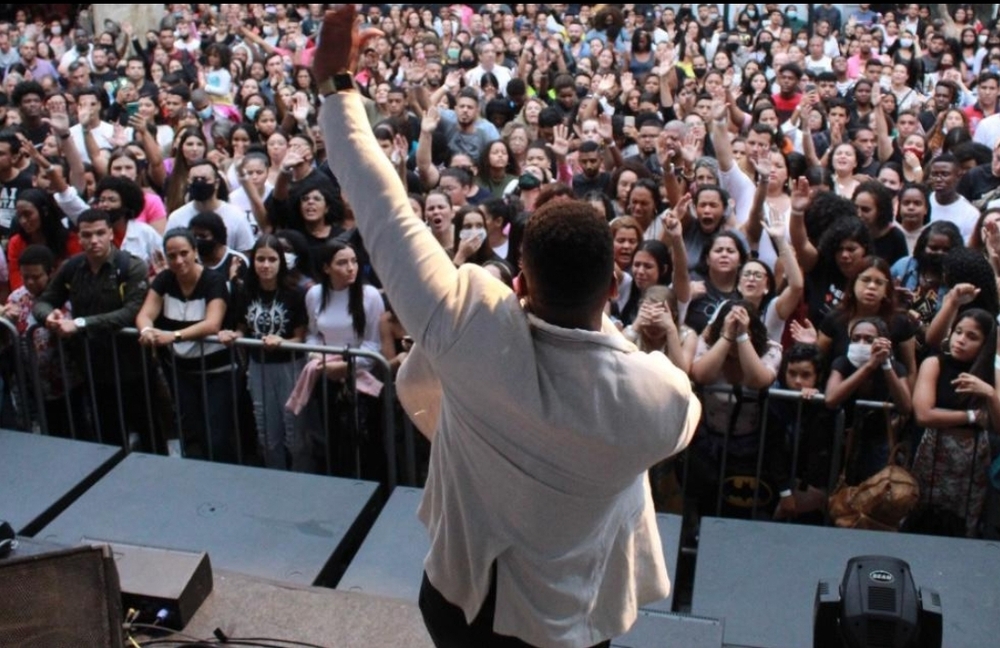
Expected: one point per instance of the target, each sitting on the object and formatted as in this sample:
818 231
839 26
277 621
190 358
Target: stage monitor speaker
61 599
164 586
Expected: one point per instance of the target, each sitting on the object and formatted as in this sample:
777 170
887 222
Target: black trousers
447 626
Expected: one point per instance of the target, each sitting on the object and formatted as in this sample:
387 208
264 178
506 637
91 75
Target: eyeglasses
754 274
875 281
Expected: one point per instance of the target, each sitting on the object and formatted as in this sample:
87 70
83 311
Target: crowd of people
804 202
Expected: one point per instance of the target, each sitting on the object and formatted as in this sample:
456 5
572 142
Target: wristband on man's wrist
742 337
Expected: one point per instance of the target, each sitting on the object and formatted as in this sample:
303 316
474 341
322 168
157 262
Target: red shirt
785 107
17 245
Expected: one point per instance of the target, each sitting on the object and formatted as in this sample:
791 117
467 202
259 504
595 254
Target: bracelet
727 339
144 329
742 337
887 365
972 416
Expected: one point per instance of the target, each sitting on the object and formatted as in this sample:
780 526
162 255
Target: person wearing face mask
920 277
207 193
793 20
206 111
868 372
210 242
82 48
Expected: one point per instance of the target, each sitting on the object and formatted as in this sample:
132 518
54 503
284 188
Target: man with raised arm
543 418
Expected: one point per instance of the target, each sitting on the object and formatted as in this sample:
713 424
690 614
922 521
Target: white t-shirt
239 236
238 198
961 212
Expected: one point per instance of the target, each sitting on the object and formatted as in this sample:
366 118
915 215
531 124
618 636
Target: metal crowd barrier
763 399
83 406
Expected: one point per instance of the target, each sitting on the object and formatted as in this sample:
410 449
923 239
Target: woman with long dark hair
955 400
266 308
343 312
39 222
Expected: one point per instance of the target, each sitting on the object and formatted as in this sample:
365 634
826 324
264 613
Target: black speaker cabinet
62 599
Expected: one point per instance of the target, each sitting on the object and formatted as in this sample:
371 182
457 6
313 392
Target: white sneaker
173 447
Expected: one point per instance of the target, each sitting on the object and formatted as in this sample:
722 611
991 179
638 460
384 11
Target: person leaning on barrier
537 503
105 288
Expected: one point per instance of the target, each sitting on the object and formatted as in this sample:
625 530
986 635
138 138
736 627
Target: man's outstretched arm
413 267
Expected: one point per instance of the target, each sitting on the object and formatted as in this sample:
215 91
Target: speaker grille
880 634
881 599
65 599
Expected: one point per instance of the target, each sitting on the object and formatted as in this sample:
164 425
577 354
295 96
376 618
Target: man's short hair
88 91
180 91
568 254
212 222
25 88
37 255
589 147
946 158
94 216
9 136
549 117
468 93
793 68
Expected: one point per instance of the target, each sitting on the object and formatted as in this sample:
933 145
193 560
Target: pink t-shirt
153 210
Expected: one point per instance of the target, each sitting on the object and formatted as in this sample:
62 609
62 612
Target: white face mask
57 30
802 44
906 43
858 353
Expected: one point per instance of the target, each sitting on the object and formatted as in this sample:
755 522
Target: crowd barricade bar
17 345
763 398
351 354
29 396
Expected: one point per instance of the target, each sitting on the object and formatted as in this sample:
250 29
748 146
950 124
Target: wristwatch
80 323
339 82
178 337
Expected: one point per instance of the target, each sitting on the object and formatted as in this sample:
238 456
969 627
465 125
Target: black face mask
931 263
205 247
120 213
732 47
700 72
201 191
466 65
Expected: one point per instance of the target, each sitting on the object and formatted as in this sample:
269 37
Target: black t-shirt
278 312
8 200
834 326
822 295
180 311
877 388
703 309
891 246
582 185
977 182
